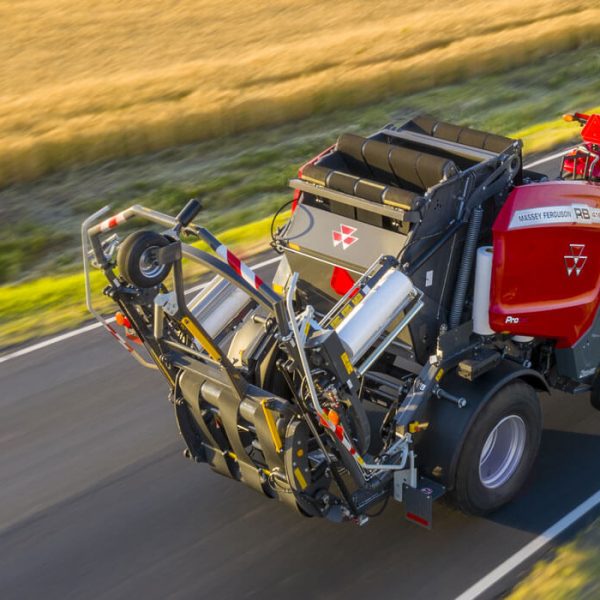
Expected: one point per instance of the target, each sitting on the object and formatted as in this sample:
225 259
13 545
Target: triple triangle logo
344 236
576 260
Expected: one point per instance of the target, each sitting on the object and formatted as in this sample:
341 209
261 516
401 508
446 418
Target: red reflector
341 281
296 198
417 519
133 337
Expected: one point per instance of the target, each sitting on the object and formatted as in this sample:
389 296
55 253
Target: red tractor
429 288
583 162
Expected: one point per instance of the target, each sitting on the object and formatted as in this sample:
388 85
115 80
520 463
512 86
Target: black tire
136 259
516 406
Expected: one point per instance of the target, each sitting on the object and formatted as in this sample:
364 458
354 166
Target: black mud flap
418 501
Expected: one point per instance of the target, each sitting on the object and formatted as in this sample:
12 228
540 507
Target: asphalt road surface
96 501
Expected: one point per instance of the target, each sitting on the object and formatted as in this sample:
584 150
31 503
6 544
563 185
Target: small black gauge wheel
137 259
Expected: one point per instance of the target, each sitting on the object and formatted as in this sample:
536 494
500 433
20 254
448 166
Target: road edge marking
75 332
503 569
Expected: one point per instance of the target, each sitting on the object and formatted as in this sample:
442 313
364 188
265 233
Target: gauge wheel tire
499 450
137 259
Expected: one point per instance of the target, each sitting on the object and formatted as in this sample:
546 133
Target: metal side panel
580 362
331 239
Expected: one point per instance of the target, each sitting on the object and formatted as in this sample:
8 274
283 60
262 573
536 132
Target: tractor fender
438 448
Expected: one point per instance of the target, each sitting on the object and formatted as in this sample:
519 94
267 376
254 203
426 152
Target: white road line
530 549
92 326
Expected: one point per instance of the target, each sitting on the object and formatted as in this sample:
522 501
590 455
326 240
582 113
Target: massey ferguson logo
576 260
344 236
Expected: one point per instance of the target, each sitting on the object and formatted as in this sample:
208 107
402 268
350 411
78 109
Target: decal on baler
575 261
344 236
547 215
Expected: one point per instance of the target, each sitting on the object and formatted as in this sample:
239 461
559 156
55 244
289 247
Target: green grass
50 304
243 179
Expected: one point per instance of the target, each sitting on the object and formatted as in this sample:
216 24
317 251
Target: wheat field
83 81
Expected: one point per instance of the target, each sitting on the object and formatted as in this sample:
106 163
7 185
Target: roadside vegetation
243 178
96 81
572 571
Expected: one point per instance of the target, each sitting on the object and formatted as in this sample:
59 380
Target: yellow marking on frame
293 246
357 298
335 322
300 478
346 310
272 426
346 360
313 180
396 204
278 288
204 341
439 374
307 328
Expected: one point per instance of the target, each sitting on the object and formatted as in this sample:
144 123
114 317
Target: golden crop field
82 81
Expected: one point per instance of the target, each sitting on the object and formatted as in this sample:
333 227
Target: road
97 501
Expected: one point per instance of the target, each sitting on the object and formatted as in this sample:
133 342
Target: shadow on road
566 473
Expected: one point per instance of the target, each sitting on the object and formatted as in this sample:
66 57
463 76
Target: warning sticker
550 215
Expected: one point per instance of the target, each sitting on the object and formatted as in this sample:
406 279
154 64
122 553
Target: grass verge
50 304
573 571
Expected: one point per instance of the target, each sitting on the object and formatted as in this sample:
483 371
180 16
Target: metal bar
321 260
239 265
456 148
88 292
185 349
133 211
323 192
223 269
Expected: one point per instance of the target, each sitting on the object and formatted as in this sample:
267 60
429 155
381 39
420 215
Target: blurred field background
157 102
86 81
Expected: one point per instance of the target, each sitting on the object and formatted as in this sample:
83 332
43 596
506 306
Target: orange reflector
568 118
333 417
122 320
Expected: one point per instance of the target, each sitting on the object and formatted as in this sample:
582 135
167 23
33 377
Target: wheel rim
502 452
149 265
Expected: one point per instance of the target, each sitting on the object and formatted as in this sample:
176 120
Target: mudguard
440 446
